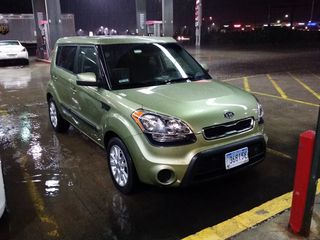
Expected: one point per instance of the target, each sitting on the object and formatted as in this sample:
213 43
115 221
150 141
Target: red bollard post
301 181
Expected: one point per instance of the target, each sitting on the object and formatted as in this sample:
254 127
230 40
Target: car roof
106 40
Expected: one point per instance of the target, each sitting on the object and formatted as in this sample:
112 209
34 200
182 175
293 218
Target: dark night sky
120 14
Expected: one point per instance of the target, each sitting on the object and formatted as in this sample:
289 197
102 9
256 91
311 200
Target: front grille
209 165
227 129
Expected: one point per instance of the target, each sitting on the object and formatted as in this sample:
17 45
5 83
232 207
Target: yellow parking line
3 112
277 87
305 85
286 99
238 78
246 84
38 204
246 220
275 152
315 75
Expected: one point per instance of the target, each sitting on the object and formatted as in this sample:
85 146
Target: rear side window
65 57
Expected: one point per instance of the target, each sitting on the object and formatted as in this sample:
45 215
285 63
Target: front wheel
57 122
121 166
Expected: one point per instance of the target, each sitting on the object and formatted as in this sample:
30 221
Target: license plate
236 158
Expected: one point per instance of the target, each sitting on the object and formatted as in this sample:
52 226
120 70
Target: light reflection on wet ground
41 173
58 186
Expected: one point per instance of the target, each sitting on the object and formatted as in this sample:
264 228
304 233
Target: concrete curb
43 60
254 224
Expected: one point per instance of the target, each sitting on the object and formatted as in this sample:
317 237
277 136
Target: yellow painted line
277 153
277 87
239 78
305 86
3 112
38 204
246 220
315 75
246 84
287 99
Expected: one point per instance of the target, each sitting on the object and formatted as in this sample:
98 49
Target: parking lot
58 185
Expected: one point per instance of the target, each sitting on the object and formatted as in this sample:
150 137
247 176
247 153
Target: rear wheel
57 122
121 166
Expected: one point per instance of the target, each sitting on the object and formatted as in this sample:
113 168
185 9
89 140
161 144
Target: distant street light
278 21
286 16
210 18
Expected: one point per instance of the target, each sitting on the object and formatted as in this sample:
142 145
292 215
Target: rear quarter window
65 57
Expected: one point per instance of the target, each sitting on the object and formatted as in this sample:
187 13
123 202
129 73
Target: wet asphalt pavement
58 186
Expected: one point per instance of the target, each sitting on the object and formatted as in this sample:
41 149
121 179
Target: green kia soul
155 110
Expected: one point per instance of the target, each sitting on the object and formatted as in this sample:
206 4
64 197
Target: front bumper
210 164
2 193
193 163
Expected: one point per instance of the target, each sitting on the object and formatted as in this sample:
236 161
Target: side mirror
205 66
87 79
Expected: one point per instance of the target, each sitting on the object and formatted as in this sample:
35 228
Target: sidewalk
276 228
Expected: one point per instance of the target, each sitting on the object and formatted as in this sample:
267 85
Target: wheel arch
49 96
108 136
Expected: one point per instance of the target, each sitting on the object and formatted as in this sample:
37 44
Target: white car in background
2 194
12 50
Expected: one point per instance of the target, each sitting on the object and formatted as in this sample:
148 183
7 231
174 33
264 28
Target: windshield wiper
178 80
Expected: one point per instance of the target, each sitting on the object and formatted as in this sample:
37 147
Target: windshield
6 43
139 65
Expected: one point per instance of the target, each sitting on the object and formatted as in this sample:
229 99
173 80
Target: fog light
166 177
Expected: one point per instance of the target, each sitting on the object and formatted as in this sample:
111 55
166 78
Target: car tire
121 166
57 122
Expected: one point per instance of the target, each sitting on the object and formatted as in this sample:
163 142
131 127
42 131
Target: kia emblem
229 115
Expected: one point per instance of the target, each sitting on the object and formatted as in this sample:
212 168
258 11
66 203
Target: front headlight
163 129
260 113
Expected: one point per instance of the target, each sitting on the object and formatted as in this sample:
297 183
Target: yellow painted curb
246 220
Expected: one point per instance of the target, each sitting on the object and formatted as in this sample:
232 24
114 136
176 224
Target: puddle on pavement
121 214
49 184
24 139
19 80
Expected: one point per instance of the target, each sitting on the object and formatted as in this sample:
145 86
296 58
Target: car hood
200 104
